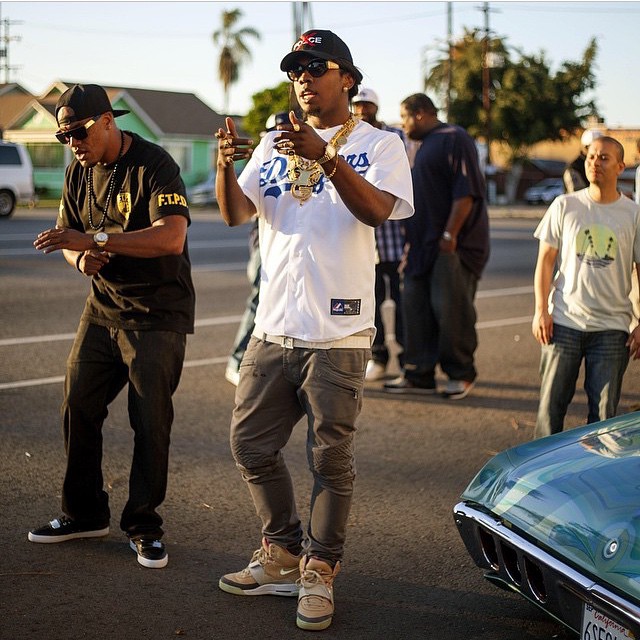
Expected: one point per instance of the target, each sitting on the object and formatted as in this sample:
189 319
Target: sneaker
375 371
151 553
404 385
457 389
315 600
63 528
272 571
232 376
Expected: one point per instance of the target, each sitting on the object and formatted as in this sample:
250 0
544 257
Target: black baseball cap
84 101
325 45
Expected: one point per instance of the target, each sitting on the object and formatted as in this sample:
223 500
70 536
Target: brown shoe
272 571
315 599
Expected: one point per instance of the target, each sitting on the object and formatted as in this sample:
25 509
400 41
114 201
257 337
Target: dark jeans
605 356
102 361
277 388
387 271
440 322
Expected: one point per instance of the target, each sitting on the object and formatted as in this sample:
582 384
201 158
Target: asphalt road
406 573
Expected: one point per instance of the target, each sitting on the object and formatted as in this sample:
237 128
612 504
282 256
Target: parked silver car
545 191
203 193
16 177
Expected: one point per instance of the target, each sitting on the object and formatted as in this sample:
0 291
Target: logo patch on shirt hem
348 307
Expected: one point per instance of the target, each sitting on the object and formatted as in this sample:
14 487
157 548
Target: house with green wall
179 122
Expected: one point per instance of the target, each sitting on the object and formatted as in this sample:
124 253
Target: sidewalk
517 211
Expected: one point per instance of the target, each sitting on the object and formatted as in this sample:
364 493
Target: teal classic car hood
576 493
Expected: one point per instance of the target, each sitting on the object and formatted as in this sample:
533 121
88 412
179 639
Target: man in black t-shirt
123 221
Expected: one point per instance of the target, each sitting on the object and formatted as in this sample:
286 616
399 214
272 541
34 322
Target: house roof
13 100
168 113
176 113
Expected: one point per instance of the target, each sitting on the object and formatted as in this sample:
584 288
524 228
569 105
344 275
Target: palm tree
233 50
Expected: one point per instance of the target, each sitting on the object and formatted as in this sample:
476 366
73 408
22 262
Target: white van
16 177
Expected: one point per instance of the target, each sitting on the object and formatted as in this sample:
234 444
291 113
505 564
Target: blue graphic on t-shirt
273 174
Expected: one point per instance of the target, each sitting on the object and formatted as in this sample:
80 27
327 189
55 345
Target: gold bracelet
328 176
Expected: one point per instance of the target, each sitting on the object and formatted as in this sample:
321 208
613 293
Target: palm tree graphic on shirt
598 246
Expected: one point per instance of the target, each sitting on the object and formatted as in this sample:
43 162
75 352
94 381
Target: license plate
598 626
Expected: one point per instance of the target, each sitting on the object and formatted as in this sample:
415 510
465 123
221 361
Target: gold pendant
303 175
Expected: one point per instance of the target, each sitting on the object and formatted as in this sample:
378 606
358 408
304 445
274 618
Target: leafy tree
265 103
233 50
466 80
528 102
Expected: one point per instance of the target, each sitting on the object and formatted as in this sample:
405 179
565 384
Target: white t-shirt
317 277
597 246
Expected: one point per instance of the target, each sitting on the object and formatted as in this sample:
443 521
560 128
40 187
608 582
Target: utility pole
5 41
450 58
301 18
486 78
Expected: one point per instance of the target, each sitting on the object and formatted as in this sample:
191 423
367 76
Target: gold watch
101 238
329 153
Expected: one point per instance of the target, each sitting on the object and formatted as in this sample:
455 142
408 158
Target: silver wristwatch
101 238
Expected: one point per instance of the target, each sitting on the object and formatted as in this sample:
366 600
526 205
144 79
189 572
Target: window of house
46 156
181 153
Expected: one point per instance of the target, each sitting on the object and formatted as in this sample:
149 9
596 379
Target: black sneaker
151 553
404 385
63 528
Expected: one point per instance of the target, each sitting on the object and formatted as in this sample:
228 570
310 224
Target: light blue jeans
605 356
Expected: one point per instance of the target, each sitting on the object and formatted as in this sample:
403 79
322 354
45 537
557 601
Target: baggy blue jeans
605 356
277 388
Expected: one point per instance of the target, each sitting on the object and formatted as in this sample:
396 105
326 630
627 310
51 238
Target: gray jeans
278 387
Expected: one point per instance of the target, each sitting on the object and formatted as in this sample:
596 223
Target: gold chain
305 174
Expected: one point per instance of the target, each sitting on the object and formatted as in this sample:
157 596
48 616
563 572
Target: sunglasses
315 68
79 133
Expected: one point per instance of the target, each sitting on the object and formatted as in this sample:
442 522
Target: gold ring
296 127
226 144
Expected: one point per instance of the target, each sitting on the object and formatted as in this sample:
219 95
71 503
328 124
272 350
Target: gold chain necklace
305 174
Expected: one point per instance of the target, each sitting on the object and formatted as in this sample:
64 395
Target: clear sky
168 45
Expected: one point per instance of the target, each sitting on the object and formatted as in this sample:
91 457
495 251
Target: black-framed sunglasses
79 133
316 68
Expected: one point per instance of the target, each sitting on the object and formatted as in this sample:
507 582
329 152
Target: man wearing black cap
319 187
123 221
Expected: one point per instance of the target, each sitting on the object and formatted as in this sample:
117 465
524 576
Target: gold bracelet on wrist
78 260
328 176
